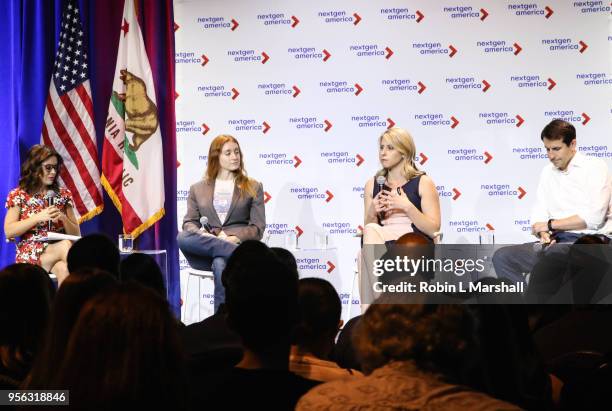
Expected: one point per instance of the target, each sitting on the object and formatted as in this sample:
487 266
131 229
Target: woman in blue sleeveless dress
407 201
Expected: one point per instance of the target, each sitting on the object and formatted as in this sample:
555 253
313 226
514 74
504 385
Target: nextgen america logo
186 57
530 153
187 126
216 23
338 227
499 46
592 6
396 14
466 226
277 159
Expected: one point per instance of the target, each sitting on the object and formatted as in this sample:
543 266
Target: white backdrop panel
473 81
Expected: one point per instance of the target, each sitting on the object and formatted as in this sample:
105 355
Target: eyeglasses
49 167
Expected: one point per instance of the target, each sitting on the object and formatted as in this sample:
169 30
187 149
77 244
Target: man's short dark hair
559 130
320 311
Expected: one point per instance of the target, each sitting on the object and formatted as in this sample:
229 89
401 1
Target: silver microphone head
50 196
380 180
203 220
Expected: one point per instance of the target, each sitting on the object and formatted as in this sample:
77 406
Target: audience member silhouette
508 365
344 351
25 300
75 292
262 307
143 269
286 257
313 337
95 251
124 353
413 355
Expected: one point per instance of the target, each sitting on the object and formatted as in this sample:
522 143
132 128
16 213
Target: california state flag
132 158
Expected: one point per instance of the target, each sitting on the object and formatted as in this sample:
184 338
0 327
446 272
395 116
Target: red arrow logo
360 160
583 46
486 86
522 191
327 55
296 21
586 118
328 125
357 18
455 122
235 94
205 129
205 60
329 196
299 231
457 194
267 197
296 91
422 88
549 12
266 127
298 161
551 83
176 26
176 95
453 50
420 16
234 25
331 267
359 89
265 57
424 158
178 164
520 120
390 123
490 227
488 156
389 53
517 49
484 14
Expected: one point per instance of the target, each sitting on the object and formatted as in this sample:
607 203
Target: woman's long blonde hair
402 141
243 182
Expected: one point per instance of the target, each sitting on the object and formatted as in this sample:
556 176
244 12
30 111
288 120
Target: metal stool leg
351 294
186 297
199 298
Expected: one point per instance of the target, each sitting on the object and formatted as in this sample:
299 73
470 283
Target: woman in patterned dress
29 214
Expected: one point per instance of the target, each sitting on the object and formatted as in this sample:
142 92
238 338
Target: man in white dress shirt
572 200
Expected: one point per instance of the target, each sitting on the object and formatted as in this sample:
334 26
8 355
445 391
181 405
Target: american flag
68 123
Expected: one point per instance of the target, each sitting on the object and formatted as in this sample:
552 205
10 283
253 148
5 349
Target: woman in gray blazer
233 206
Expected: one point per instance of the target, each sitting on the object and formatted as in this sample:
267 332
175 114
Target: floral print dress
28 249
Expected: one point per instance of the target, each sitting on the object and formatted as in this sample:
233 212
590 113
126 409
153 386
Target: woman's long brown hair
31 169
243 182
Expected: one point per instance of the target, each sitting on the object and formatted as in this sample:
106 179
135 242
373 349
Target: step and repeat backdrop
308 87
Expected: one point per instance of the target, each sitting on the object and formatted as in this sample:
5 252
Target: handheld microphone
205 226
380 180
50 197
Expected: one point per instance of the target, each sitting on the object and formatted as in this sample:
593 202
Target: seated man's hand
538 228
545 238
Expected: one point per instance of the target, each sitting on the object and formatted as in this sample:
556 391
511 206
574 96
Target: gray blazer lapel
235 196
214 219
